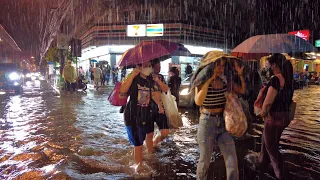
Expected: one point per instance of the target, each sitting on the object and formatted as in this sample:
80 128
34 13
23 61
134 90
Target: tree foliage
52 55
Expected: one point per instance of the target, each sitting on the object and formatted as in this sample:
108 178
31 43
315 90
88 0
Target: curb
56 88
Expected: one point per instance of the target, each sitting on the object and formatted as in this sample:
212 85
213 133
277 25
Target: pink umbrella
262 45
149 50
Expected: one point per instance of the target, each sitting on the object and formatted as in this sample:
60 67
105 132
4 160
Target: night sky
20 18
282 16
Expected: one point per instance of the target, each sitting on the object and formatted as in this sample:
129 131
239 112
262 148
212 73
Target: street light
32 57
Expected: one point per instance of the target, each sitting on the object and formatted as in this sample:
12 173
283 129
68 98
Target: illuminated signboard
137 30
154 29
304 34
317 43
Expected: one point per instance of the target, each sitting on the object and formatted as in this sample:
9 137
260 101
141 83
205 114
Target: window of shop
193 62
126 16
148 15
165 68
137 15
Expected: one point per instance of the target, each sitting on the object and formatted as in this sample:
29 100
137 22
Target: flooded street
46 135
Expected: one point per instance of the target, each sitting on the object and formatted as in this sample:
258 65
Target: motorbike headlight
14 76
28 75
184 91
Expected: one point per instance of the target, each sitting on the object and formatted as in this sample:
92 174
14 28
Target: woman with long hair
275 112
210 96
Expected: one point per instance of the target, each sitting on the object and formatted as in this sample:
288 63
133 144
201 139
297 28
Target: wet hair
277 59
174 70
155 61
285 67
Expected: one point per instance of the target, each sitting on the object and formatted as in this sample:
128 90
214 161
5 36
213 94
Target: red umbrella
149 50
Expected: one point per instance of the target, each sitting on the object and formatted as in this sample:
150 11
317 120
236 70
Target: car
35 75
26 75
186 98
11 78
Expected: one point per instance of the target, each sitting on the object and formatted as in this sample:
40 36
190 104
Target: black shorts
137 127
160 119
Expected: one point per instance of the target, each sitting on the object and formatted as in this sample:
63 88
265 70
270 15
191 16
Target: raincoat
69 73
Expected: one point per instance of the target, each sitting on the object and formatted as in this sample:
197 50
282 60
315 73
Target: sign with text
317 43
137 30
62 41
154 29
304 34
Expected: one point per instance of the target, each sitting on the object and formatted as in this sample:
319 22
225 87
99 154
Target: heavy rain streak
170 89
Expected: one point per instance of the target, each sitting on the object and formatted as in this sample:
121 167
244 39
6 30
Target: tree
52 55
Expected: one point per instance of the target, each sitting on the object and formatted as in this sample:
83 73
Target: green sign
317 44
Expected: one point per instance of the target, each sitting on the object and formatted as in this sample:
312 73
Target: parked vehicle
186 98
26 75
11 78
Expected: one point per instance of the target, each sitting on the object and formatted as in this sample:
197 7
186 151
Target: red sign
304 34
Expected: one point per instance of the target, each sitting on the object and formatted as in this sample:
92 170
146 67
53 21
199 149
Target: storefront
299 65
108 43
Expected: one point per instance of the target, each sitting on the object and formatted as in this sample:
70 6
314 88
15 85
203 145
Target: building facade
198 25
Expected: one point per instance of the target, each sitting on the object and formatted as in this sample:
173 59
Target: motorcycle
81 84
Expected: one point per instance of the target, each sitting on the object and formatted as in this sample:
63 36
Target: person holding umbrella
140 86
275 112
210 96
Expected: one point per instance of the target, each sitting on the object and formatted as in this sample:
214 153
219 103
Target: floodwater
46 135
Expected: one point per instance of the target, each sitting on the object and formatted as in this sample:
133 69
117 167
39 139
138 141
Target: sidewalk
57 85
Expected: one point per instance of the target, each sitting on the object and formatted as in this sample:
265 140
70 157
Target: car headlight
184 91
14 76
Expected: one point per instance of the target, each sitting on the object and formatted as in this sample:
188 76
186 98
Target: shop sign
304 34
62 41
137 30
317 43
154 29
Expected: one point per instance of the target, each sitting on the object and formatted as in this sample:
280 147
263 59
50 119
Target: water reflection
81 136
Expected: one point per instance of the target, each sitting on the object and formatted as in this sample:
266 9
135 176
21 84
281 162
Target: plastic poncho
69 73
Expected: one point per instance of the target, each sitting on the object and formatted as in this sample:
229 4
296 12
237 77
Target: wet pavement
47 135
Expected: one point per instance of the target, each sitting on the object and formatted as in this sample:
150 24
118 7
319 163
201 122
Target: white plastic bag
171 110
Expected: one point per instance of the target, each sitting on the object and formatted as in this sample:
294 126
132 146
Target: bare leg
149 142
138 154
160 137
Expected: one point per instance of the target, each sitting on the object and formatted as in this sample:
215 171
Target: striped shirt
215 98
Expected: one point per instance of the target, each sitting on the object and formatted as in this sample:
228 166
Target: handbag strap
150 91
